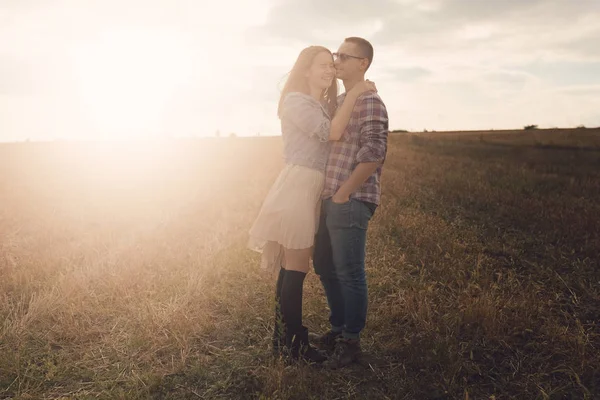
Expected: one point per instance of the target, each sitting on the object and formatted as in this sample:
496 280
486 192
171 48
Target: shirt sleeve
306 115
373 122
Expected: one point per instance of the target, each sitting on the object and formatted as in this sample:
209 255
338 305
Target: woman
285 227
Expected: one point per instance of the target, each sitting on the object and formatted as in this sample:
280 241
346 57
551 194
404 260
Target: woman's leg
297 259
296 264
279 331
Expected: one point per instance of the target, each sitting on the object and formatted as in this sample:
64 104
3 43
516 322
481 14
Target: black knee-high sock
291 299
279 284
278 288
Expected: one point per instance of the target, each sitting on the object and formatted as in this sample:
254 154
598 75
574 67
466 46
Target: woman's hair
297 81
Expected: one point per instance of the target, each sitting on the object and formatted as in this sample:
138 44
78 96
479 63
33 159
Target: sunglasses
343 57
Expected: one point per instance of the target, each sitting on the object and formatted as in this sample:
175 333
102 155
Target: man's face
349 63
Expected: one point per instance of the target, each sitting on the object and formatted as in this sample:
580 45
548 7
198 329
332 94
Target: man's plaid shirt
364 140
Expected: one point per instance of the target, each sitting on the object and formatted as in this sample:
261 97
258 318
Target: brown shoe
325 341
346 352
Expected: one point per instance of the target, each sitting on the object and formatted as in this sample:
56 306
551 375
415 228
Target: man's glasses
343 57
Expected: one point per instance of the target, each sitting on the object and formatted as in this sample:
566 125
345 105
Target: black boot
300 348
278 340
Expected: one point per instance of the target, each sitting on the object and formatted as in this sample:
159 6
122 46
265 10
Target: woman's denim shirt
305 126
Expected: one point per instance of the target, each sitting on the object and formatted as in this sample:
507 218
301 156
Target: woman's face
322 72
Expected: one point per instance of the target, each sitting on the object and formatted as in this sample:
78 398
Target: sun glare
126 79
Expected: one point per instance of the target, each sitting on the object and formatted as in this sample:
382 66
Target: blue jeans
339 260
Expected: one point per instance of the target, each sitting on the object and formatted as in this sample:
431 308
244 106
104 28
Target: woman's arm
344 112
308 116
342 116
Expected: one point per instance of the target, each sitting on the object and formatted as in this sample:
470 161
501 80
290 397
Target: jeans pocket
351 214
361 215
339 215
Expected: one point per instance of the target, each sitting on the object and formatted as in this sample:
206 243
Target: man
352 193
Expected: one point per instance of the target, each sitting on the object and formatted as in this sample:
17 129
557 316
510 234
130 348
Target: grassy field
124 272
576 139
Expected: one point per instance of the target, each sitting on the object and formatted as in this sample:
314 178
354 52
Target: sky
123 69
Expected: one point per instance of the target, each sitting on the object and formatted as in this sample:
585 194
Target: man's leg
323 263
347 225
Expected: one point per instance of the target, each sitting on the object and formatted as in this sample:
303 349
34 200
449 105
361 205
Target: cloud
410 23
314 21
519 29
508 77
584 47
565 73
581 90
439 64
405 74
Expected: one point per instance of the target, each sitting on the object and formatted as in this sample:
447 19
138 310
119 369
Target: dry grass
124 274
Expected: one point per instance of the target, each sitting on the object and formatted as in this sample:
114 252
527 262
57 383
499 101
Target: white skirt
289 216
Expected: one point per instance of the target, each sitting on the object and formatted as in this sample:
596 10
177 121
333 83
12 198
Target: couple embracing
321 203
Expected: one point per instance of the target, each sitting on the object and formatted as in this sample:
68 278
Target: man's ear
364 64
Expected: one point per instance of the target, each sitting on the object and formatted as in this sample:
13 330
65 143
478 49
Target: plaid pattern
365 140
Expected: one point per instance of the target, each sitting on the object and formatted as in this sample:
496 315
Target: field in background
576 138
124 272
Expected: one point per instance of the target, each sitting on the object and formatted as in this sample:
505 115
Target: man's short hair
366 48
